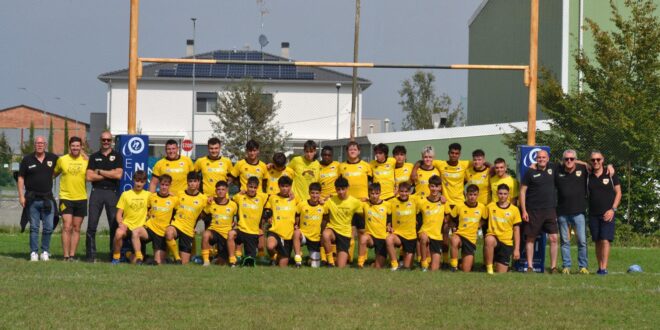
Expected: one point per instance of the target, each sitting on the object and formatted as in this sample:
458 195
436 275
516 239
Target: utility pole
356 43
533 72
133 66
194 97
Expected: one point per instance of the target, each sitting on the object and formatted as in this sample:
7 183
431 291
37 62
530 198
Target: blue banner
526 156
135 149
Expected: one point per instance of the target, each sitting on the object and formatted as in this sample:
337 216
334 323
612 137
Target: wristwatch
98 172
614 209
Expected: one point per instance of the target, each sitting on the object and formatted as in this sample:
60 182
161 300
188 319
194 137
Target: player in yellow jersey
223 219
309 216
131 215
479 174
402 169
306 170
175 165
356 171
404 227
378 223
471 215
502 177
249 167
282 220
432 212
191 204
277 170
328 173
250 213
453 175
213 167
425 171
73 195
162 206
382 168
503 237
342 209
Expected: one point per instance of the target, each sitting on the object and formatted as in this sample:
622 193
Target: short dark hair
327 148
455 146
253 180
499 161
374 186
404 185
502 187
74 139
165 177
435 180
352 143
284 181
381 147
472 188
252 145
171 142
213 141
192 176
341 182
399 150
314 186
478 153
309 145
140 175
221 183
279 159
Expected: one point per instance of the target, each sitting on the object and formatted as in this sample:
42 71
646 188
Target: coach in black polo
537 203
104 171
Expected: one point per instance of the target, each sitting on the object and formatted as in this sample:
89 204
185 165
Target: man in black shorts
538 202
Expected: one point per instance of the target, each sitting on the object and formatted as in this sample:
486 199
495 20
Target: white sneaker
45 256
34 256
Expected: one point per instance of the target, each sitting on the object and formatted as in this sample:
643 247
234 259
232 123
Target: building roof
44 111
231 72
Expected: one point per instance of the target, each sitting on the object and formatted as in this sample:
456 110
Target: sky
54 50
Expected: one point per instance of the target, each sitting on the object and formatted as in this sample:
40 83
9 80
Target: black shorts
218 239
601 230
343 243
408 245
380 248
502 253
541 220
250 243
75 208
312 246
358 222
158 242
435 245
467 247
283 247
185 241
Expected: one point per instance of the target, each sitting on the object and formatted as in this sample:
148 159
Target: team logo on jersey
578 173
606 181
381 209
227 211
180 163
550 171
561 175
166 203
508 214
258 170
112 158
477 212
195 202
49 163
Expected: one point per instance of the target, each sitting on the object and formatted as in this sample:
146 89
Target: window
206 102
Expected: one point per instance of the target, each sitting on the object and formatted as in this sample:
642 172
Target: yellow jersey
433 216
134 206
404 218
383 173
72 183
482 180
341 214
402 174
510 181
327 177
422 182
305 173
501 222
310 218
453 179
375 218
244 170
273 176
250 210
284 215
188 211
161 211
213 170
469 220
358 178
178 169
222 216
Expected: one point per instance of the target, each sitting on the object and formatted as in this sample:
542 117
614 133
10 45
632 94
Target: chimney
190 45
285 49
387 124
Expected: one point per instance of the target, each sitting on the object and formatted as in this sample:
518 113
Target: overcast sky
57 48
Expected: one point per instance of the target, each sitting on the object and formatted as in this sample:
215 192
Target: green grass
81 295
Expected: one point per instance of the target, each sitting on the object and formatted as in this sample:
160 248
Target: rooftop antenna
263 11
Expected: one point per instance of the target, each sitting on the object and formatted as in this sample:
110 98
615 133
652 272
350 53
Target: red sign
187 145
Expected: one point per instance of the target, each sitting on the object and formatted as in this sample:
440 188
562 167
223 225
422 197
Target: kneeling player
250 214
131 215
471 215
309 217
341 210
378 222
223 219
282 220
404 227
161 208
503 224
432 213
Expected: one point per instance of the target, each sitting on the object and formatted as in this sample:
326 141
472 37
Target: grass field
81 295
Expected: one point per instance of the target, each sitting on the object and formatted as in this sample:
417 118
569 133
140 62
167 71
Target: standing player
383 171
479 175
162 206
306 170
131 215
358 174
213 167
277 170
404 227
223 218
73 195
191 204
248 229
378 222
471 214
249 167
282 211
329 172
503 238
432 212
342 209
502 177
425 171
402 169
309 216
175 165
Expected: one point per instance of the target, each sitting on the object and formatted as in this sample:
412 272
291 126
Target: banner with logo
526 156
135 149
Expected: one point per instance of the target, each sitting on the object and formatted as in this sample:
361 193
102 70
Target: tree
66 137
28 146
245 112
5 160
419 102
618 109
50 136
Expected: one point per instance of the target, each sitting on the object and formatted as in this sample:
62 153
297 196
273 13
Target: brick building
15 123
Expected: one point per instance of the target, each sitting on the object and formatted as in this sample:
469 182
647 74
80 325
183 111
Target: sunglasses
596 160
569 158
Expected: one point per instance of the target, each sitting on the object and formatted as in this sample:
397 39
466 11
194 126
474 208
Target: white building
309 98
